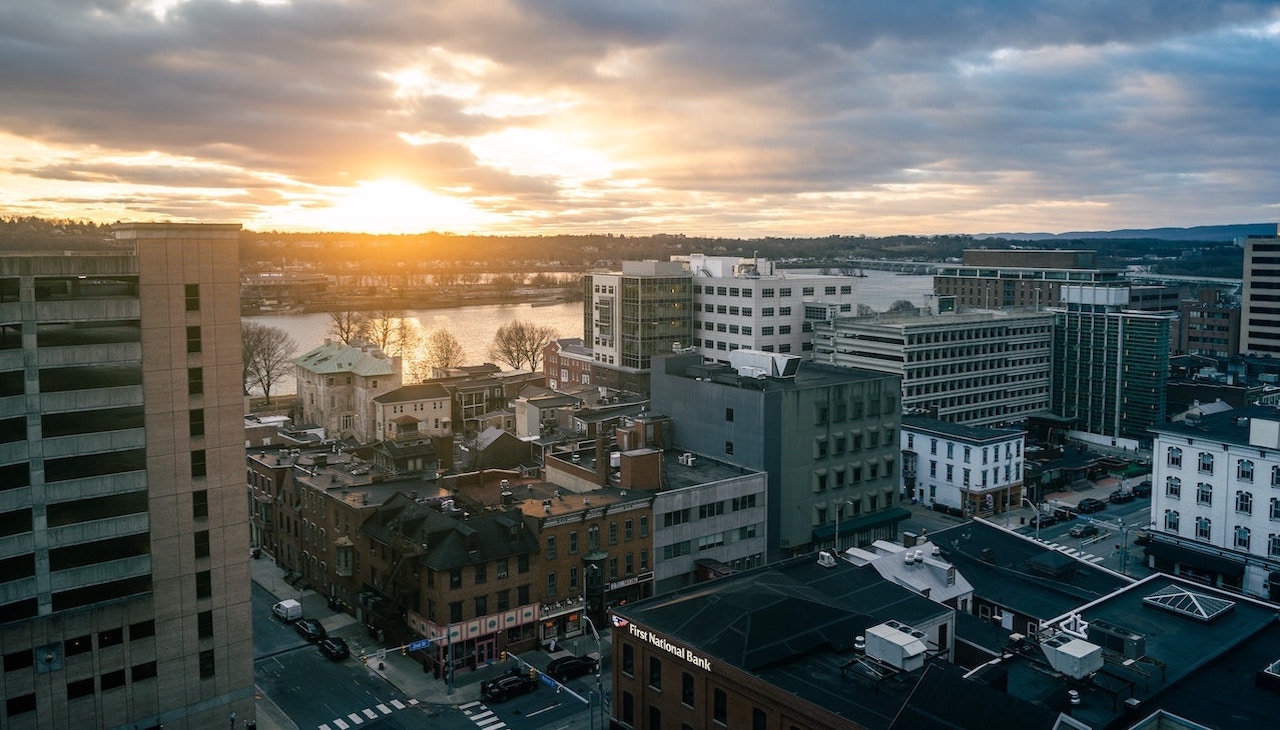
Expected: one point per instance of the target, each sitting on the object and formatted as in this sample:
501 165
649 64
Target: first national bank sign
678 652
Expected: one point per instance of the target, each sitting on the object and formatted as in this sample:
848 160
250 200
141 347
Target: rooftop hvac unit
1122 641
897 645
1073 657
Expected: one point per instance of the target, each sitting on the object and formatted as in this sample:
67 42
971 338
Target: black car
1084 530
1121 496
311 629
1142 490
334 648
1043 520
1089 505
508 685
568 667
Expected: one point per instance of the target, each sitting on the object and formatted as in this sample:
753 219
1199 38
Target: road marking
488 721
384 709
397 704
412 701
341 725
370 714
548 708
325 727
468 706
353 717
477 719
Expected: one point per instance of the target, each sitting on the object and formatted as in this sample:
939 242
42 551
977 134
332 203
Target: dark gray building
826 436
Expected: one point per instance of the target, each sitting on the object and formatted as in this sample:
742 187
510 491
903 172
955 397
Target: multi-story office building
1261 296
745 304
827 437
1215 499
124 599
976 368
1209 325
993 279
337 384
975 470
1110 365
632 315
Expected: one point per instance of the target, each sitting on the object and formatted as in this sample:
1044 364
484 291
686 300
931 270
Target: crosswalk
1073 552
378 711
482 716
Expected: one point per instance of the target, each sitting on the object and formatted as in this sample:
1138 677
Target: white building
975 470
420 410
747 304
336 385
1215 499
975 368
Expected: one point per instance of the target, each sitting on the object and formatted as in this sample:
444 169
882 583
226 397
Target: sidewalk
404 672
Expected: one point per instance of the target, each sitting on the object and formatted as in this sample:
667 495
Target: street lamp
582 614
599 669
1037 517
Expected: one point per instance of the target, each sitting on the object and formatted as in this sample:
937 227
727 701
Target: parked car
1143 489
1043 520
1143 538
568 667
334 648
1120 496
288 610
1089 505
1083 531
311 629
508 685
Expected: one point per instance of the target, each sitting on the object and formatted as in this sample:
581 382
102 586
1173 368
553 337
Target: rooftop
338 357
973 434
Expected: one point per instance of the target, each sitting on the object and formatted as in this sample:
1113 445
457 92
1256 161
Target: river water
475 326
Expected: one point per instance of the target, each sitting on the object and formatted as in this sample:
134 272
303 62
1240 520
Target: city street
1113 546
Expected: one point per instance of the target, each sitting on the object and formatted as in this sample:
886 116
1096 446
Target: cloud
707 116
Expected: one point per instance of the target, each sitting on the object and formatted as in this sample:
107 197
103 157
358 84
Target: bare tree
444 350
267 353
391 331
348 326
520 344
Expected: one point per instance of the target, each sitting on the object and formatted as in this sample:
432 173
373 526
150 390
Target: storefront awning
854 525
1209 562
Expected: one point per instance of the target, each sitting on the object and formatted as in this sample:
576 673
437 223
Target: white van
287 610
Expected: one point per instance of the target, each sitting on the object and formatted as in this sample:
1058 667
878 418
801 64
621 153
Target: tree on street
268 352
520 344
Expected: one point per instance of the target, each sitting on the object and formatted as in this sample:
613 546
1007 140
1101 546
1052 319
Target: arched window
1175 456
1170 521
1244 470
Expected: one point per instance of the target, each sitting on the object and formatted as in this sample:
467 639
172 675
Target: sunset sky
739 118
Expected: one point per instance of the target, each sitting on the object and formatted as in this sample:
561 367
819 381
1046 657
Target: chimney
602 460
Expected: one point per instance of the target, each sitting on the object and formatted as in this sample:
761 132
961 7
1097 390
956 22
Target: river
474 326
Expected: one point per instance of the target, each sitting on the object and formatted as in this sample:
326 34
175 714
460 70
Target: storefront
476 643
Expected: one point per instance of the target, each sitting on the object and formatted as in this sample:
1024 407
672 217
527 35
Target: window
655 672
193 340
1204 494
551 584
551 547
728 414
1242 538
1275 476
1244 502
195 381
199 465
481 574
628 660
728 447
192 295
759 720
644 560
784 291
139 672
78 645
204 584
141 630
455 578
967 452
1170 521
806 291
1173 487
1244 470
1205 463
1203 528
207 668
573 542
110 637
482 606
1174 456
719 706
455 611
201 541
613 533
200 504
204 624
195 422
686 689
644 526
1275 508
628 530
79 688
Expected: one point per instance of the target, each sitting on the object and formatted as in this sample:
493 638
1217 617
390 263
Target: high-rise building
826 436
1110 364
975 368
124 592
1260 331
632 315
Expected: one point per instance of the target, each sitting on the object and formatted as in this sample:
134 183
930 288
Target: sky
734 118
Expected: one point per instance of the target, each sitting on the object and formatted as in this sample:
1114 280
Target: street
1113 546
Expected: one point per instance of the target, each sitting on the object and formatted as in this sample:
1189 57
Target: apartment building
975 368
1209 325
125 598
1261 296
337 384
975 470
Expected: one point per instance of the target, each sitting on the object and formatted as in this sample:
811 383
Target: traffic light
502 656
404 650
533 673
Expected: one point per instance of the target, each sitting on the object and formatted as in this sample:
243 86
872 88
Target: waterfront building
1261 296
826 436
337 384
1110 365
998 279
125 597
973 470
970 367
747 304
632 315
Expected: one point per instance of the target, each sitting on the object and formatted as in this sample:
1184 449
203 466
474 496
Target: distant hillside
1198 233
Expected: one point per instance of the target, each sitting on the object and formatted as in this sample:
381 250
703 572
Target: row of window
688 695
1241 539
786 291
593 536
1204 465
1011 449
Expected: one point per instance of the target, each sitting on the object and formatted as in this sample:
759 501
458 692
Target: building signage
633 580
678 652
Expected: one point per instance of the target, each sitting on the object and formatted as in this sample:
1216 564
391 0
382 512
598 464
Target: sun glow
389 206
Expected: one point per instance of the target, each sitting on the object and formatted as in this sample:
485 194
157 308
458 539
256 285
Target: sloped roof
417 391
336 357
